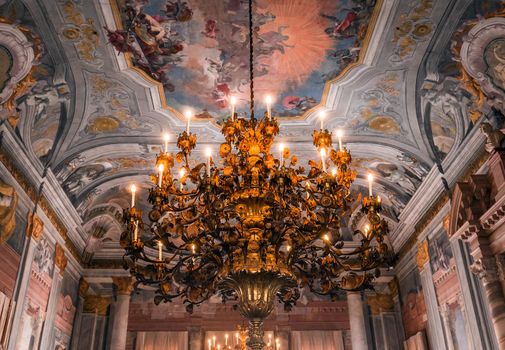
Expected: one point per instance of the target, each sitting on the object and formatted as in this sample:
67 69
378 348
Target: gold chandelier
253 227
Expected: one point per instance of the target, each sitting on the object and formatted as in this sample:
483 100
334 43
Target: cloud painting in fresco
198 49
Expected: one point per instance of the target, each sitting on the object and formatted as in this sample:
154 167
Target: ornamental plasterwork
483 58
413 27
82 31
423 255
112 107
22 56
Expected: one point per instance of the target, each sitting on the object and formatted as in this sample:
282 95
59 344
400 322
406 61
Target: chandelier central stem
251 60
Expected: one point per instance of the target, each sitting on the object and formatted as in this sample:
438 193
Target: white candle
268 100
281 151
226 339
236 338
323 158
160 251
214 340
166 137
210 344
233 101
193 248
208 153
161 167
133 189
367 229
370 180
181 175
136 231
339 136
378 199
322 115
188 118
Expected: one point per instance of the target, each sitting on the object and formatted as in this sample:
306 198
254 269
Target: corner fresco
198 49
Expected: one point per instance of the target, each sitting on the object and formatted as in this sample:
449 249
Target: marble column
121 308
487 270
444 312
385 321
480 334
76 330
60 263
195 338
33 234
93 322
357 321
436 334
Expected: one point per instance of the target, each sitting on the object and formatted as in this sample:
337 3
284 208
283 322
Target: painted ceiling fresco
198 49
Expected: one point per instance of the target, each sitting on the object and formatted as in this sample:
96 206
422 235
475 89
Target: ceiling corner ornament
423 255
20 49
252 227
483 58
83 287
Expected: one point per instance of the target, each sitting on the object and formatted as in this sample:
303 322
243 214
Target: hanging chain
251 60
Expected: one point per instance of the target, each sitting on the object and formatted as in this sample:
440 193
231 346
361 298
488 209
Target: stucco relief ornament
494 137
485 269
60 260
35 226
8 203
21 49
483 58
423 255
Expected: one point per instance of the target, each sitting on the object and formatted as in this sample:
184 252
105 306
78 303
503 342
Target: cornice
28 176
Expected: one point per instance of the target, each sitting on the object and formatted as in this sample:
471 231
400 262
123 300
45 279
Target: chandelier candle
268 100
160 251
339 136
133 189
233 102
188 116
208 153
166 137
161 167
136 232
322 152
370 181
322 115
282 147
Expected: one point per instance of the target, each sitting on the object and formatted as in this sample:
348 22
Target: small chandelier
253 227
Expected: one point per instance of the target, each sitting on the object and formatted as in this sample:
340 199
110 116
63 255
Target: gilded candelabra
253 227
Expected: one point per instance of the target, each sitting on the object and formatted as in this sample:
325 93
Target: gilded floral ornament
8 205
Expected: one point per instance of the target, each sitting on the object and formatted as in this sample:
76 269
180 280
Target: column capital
60 260
83 287
380 303
96 304
422 255
35 226
124 285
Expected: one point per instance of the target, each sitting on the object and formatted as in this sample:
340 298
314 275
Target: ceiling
94 116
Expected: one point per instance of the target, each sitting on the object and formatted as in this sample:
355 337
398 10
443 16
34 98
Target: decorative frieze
35 226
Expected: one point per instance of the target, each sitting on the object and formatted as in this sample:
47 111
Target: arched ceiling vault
361 61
